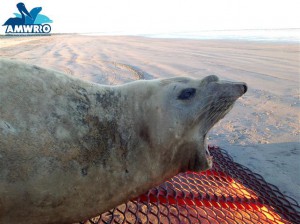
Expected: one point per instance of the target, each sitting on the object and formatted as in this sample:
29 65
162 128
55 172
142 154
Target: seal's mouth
215 109
202 160
223 108
208 163
209 158
218 110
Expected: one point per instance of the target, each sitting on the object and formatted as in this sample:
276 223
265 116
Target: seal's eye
187 94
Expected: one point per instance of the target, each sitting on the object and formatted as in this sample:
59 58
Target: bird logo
28 22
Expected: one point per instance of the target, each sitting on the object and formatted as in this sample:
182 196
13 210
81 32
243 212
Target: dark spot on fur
123 147
144 134
102 138
99 97
82 100
95 144
7 125
36 67
79 102
83 108
84 171
108 98
81 91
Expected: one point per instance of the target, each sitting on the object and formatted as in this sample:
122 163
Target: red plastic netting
228 193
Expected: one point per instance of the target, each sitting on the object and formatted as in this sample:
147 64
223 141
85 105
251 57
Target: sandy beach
261 132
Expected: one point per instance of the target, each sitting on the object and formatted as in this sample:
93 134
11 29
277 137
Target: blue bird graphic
36 17
33 12
18 21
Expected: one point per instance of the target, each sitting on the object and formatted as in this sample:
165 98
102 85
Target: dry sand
261 132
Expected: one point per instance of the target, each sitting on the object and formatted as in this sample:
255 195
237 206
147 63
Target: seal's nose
245 87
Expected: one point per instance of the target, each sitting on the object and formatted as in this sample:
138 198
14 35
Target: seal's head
182 112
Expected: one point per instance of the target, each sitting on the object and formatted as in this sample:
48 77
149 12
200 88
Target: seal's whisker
208 107
217 113
214 114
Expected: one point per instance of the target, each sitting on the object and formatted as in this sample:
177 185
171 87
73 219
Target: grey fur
71 149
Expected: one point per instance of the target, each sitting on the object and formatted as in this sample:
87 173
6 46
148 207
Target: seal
70 149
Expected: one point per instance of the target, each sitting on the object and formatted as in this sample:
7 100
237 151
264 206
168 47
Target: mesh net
228 193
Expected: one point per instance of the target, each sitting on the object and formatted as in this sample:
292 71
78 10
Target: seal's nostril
245 88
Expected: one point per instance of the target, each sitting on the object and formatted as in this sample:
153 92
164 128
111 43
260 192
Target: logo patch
28 23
